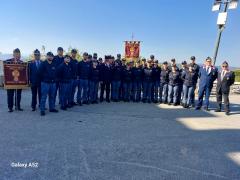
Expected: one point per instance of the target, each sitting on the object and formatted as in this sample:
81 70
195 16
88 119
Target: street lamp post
222 18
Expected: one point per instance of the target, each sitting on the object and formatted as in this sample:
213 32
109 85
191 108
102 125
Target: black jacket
156 73
105 73
147 74
95 74
84 70
64 73
137 74
224 84
48 72
164 79
127 75
117 73
190 78
174 78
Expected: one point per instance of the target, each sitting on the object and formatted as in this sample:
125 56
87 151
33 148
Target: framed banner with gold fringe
15 76
132 50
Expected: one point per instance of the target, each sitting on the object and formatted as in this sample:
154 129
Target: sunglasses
224 66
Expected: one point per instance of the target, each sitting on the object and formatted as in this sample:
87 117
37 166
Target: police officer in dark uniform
94 82
182 71
164 79
189 78
173 85
116 80
225 79
17 92
64 74
106 78
147 83
137 81
127 82
74 81
156 81
48 77
196 68
84 67
34 80
59 59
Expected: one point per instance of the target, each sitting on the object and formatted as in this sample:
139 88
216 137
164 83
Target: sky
167 29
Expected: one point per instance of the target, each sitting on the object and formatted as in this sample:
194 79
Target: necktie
223 74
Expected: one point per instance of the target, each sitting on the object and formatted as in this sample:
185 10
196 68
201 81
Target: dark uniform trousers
36 94
223 89
11 97
105 85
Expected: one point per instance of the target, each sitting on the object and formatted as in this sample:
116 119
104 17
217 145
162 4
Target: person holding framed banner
15 79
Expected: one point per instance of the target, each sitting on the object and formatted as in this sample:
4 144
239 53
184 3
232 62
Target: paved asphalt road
119 141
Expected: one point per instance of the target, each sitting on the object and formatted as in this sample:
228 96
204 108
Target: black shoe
149 101
10 110
33 109
80 104
53 111
63 108
175 104
197 108
206 109
227 113
108 100
218 110
74 104
19 109
169 104
42 113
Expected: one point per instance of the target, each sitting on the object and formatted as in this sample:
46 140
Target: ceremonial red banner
132 50
15 76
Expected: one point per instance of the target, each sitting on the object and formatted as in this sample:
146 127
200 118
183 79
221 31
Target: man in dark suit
18 92
34 80
225 79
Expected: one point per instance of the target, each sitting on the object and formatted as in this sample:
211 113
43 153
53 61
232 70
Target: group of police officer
119 80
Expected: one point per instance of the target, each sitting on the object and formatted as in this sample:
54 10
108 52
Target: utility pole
222 18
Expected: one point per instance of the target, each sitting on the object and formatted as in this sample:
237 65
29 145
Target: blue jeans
82 90
115 89
188 92
64 94
156 89
137 86
147 86
204 91
74 84
127 88
93 91
163 92
48 90
172 93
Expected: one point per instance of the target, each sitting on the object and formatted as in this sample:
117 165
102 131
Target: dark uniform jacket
127 75
95 74
117 73
74 65
48 72
156 74
137 74
106 73
84 70
147 74
190 78
164 76
224 84
64 73
174 78
58 60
